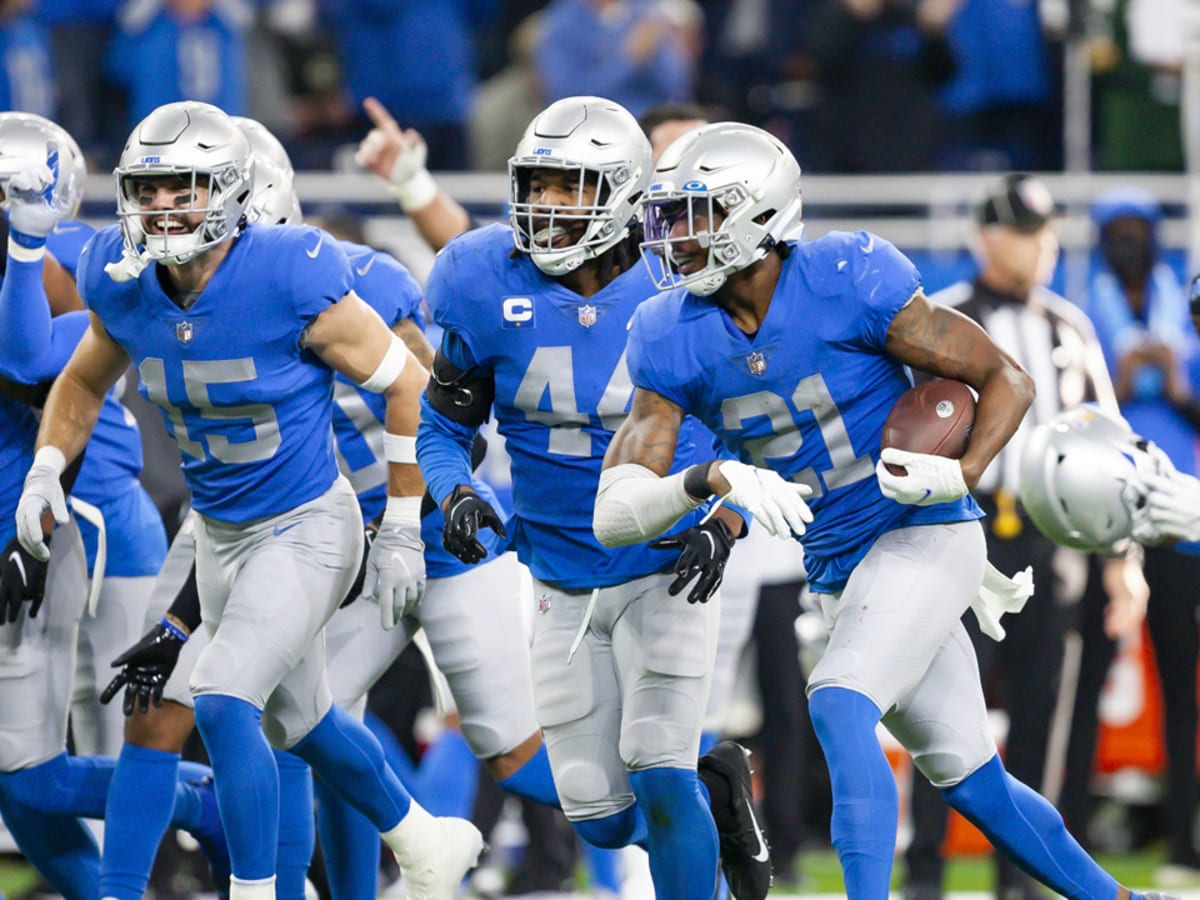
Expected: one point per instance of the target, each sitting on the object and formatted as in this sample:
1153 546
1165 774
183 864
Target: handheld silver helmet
1081 479
200 144
273 199
27 139
263 144
601 142
729 171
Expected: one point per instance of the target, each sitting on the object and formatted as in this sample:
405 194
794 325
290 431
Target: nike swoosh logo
763 853
870 244
927 493
312 254
279 531
15 559
365 269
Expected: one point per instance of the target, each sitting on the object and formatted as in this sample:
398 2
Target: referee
1054 342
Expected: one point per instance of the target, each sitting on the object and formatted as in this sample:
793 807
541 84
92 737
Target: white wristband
416 192
402 511
17 253
399 448
52 457
389 368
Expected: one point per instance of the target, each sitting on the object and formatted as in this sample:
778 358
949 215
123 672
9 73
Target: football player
43 791
793 354
236 330
621 663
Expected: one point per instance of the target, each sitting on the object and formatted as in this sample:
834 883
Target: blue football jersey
806 395
358 415
18 431
562 389
247 405
65 243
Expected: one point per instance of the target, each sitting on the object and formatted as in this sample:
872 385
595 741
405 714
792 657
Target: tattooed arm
942 341
648 435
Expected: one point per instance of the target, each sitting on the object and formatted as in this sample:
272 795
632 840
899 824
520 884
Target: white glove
928 480
42 492
29 198
778 504
396 570
398 156
1172 508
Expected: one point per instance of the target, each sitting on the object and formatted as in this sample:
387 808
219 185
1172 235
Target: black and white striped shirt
1051 339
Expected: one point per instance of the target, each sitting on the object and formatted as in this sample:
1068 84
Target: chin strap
128 267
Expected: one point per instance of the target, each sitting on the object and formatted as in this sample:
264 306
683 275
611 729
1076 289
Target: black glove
146 666
466 514
21 578
705 551
369 532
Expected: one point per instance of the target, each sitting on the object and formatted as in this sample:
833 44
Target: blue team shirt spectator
589 46
1000 55
74 12
169 50
27 81
418 59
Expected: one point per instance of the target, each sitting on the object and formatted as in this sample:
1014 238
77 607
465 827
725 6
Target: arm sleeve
33 347
443 452
186 605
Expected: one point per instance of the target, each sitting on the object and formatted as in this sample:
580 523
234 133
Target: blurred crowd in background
853 86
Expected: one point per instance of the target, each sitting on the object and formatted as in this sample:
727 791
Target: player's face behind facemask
575 181
720 199
1082 479
183 182
29 140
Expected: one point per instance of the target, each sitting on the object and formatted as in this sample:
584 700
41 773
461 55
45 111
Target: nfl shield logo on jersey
757 363
184 332
587 315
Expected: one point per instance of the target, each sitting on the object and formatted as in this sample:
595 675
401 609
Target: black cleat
745 856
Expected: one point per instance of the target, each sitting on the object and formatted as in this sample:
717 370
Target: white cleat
447 852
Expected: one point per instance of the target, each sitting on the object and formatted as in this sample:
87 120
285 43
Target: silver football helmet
263 144
739 173
273 199
195 141
602 142
27 139
1081 479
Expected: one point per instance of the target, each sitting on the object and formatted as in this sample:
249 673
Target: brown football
934 417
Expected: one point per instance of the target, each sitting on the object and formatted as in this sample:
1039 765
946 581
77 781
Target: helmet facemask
600 221
598 147
736 188
200 147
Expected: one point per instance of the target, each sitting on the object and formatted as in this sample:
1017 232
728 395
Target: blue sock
349 759
395 756
65 785
197 813
247 782
138 811
616 831
60 847
533 780
449 776
708 740
865 801
1029 829
350 845
684 858
604 868
297 830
